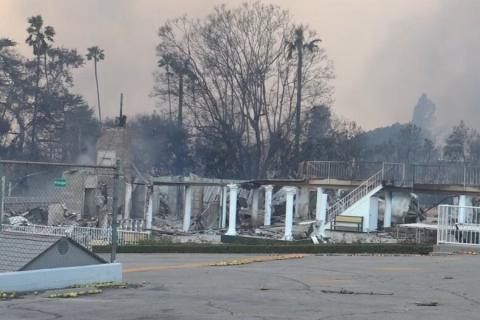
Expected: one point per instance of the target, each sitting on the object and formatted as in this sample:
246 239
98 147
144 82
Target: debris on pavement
427 304
344 291
237 262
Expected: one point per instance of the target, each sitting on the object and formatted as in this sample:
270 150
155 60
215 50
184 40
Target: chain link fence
78 201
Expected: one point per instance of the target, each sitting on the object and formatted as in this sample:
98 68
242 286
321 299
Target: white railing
355 195
398 174
340 170
458 225
132 224
444 174
359 171
86 236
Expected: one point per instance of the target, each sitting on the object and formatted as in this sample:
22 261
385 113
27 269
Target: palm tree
38 38
182 68
299 45
96 54
165 62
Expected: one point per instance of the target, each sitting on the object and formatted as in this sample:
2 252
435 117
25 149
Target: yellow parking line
166 267
217 263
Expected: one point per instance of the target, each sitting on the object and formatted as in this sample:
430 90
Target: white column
128 200
302 202
187 209
462 203
290 193
387 216
268 205
232 217
318 205
149 215
321 210
224 207
256 194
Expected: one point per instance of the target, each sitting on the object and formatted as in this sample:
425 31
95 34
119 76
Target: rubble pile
53 215
167 224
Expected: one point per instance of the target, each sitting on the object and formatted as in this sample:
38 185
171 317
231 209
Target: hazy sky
386 52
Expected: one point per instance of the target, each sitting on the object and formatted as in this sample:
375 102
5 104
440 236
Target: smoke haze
386 53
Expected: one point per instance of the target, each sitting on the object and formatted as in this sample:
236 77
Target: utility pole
122 120
116 190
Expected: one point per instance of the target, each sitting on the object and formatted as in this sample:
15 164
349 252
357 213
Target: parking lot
184 286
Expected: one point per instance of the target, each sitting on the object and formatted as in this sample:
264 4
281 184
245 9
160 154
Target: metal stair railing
355 195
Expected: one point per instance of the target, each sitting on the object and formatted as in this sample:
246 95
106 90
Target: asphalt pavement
185 286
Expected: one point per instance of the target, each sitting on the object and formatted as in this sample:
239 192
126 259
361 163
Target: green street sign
60 183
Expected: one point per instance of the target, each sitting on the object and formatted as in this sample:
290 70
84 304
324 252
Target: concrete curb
56 278
456 249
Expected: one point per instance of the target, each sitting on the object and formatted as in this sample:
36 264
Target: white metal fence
458 225
86 236
398 174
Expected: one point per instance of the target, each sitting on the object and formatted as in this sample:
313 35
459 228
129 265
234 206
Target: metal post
116 191
2 199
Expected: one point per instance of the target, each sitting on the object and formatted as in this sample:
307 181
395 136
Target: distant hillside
382 135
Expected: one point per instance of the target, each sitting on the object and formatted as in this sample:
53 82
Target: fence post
116 185
2 198
328 172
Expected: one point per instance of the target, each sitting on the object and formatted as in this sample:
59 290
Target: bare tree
244 87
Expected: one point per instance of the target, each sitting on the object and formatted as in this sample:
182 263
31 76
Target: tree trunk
169 98
46 71
98 92
35 107
258 145
21 133
181 147
180 101
299 103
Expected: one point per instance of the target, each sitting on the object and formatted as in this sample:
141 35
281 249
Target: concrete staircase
358 202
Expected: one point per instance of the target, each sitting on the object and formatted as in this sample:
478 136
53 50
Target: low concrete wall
59 277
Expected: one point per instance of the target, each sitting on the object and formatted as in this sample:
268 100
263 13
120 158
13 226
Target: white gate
458 225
